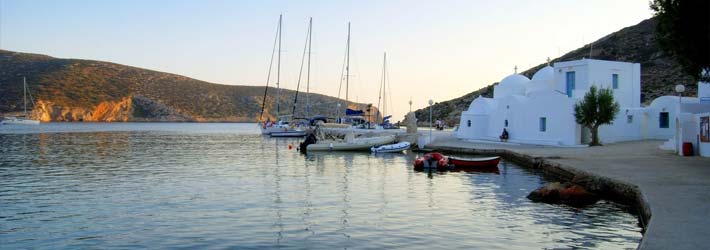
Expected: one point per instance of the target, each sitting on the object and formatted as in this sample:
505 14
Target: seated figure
504 136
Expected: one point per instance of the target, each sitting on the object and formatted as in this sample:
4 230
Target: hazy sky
436 49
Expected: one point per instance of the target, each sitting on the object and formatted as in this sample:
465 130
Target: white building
694 120
541 110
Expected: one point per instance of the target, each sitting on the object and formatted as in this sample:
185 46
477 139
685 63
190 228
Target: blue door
570 83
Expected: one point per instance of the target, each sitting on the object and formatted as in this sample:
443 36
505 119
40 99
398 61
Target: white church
541 110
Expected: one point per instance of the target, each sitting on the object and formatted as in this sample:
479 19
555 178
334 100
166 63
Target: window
543 124
506 123
615 81
663 120
570 83
705 129
629 119
469 123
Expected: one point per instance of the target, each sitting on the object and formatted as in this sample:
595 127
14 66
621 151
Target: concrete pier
671 194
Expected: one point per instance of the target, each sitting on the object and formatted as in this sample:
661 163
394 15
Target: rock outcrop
127 109
567 193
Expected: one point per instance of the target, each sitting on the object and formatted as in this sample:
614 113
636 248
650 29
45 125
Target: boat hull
392 148
293 133
359 144
487 162
442 163
20 122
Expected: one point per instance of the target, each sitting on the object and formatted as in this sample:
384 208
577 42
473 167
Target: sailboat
22 120
350 143
297 131
382 96
268 127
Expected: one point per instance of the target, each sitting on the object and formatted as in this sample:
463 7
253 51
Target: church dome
514 80
511 85
546 73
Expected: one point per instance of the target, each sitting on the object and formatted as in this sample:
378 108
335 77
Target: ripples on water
225 186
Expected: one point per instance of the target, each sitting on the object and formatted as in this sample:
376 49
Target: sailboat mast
268 76
384 87
347 67
308 69
24 91
300 70
379 93
278 74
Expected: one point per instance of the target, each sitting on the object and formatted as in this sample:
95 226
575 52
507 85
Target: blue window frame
543 124
663 121
506 123
570 82
469 123
615 81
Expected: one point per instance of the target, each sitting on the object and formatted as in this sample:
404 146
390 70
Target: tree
597 108
683 31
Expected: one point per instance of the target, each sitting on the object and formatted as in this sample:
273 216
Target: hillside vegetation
86 90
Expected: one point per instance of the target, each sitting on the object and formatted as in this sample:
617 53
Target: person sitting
504 136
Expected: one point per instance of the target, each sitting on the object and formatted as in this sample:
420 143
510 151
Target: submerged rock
567 193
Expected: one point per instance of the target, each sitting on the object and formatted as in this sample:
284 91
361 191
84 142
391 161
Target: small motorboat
473 163
391 148
432 161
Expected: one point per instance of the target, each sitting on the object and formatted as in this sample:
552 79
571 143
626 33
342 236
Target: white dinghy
391 148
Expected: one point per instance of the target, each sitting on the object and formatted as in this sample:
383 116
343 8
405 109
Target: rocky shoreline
614 190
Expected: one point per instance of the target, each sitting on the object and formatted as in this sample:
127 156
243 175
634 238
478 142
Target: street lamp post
430 115
680 89
410 104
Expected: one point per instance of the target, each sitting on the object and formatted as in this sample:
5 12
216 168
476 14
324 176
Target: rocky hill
86 90
659 72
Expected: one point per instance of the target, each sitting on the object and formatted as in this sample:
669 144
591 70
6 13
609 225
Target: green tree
683 31
597 108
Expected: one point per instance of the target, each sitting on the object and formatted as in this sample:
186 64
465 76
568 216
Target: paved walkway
676 188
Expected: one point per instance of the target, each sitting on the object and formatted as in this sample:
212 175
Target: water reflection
202 189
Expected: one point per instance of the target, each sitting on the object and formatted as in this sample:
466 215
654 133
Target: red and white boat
480 162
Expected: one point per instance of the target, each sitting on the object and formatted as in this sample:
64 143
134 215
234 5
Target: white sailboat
21 120
350 143
268 127
299 131
382 98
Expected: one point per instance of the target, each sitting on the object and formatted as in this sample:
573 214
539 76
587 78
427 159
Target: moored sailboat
350 143
24 119
268 127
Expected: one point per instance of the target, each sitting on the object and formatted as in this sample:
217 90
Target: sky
436 50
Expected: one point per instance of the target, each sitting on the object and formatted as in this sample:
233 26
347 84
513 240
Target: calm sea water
224 186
